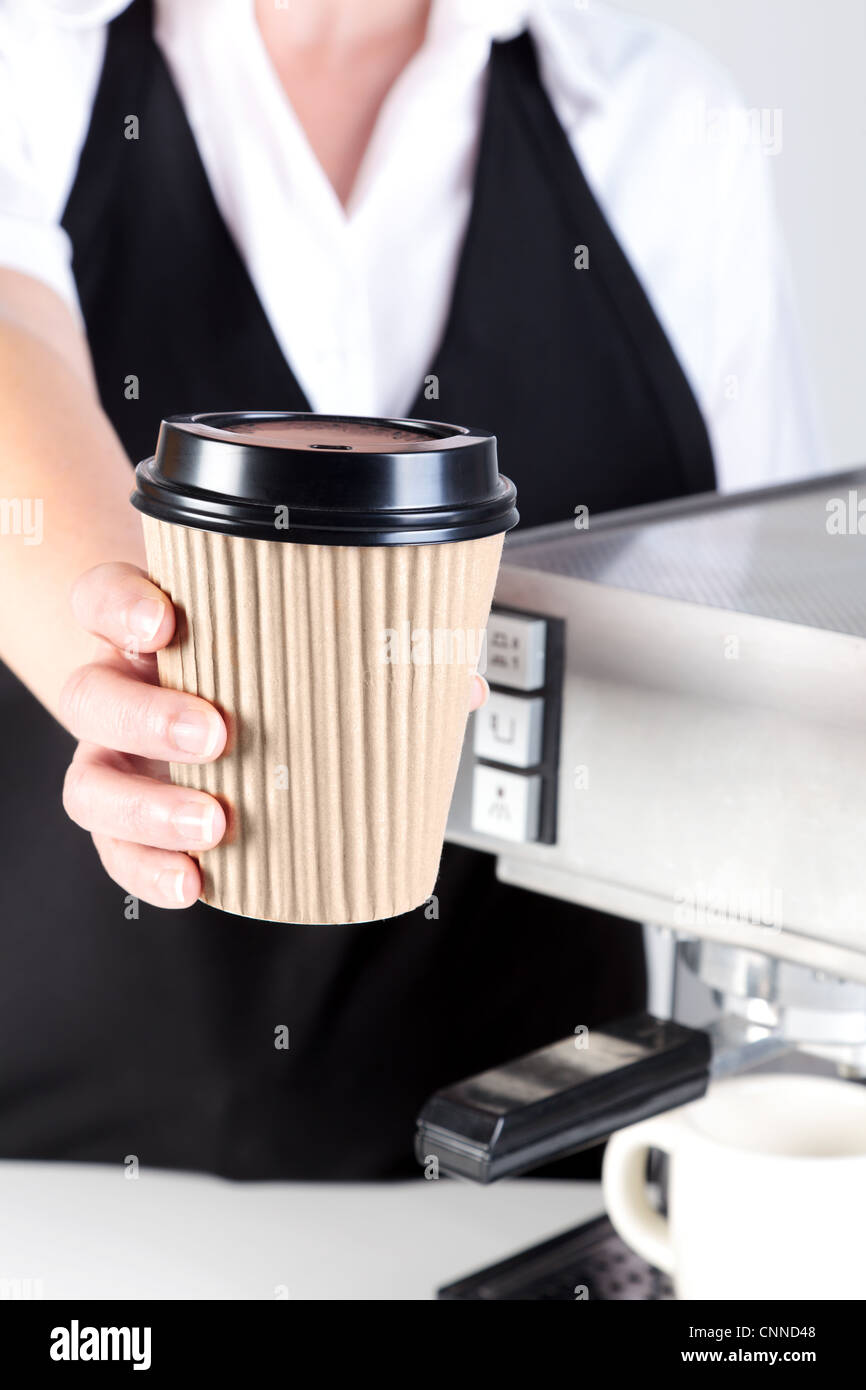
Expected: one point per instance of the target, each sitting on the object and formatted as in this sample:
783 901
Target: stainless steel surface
748 975
712 772
821 1015
739 1045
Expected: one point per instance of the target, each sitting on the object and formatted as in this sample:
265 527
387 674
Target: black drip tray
588 1262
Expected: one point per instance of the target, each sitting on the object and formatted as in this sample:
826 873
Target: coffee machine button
516 651
508 729
506 805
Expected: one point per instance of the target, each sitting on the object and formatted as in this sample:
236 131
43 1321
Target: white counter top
87 1231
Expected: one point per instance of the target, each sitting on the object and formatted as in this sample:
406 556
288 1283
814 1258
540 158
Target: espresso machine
676 734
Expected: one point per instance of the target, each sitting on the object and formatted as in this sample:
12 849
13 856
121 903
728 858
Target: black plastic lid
344 480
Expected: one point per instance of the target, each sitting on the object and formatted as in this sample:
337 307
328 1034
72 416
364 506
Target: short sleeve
48 77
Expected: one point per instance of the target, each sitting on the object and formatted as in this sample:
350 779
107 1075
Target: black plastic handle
564 1097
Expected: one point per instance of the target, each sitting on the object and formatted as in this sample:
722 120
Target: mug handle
624 1186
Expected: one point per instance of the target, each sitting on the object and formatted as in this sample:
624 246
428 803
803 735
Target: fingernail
195 732
485 692
195 820
144 618
170 883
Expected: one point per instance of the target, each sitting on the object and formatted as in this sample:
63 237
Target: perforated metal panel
775 554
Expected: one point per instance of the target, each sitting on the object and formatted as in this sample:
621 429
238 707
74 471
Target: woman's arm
64 473
65 517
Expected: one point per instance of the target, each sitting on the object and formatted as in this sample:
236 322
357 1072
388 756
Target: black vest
155 1035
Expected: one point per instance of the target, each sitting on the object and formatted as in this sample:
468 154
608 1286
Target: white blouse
358 298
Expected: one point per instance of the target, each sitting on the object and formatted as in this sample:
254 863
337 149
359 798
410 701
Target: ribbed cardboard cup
344 673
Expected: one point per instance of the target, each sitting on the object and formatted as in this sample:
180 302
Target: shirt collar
562 26
83 14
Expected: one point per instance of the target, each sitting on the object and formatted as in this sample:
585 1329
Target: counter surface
87 1231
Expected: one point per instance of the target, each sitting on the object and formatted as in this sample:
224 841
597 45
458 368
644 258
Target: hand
117 785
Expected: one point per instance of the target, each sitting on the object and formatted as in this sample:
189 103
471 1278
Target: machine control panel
508 776
516 650
506 804
509 730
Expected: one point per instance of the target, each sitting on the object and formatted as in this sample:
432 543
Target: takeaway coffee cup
333 578
765 1191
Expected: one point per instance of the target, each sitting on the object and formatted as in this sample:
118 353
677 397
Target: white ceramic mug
766 1190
